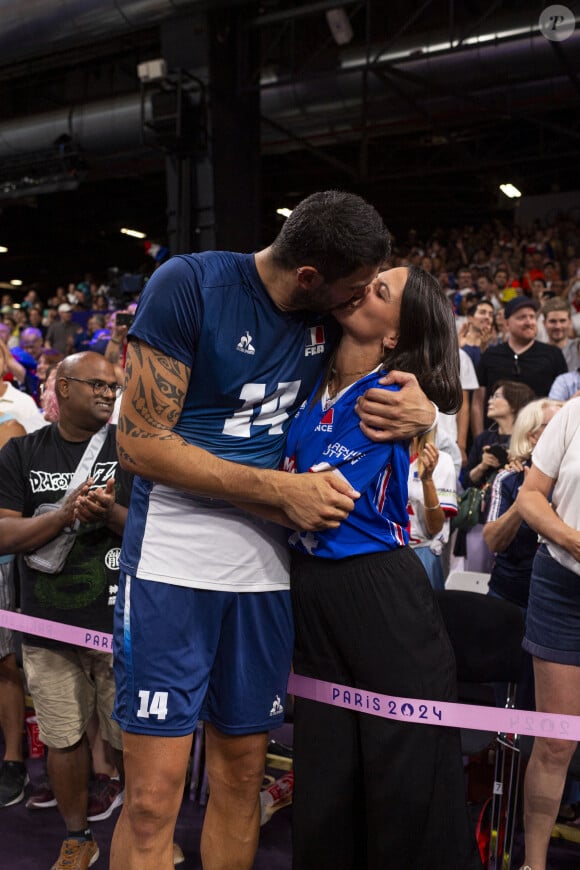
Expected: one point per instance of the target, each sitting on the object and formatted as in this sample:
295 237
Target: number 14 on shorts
152 704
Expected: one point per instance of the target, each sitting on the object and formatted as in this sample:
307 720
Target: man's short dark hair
473 308
334 231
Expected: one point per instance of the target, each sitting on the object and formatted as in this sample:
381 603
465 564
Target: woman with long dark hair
372 792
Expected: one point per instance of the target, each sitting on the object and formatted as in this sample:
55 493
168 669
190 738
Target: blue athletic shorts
184 654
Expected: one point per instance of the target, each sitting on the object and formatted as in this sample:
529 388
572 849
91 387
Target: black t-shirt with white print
36 469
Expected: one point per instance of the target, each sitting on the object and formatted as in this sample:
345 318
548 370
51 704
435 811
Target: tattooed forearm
135 350
150 410
156 386
172 366
132 430
125 457
168 389
128 369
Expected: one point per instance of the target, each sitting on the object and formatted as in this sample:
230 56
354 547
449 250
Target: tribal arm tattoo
155 389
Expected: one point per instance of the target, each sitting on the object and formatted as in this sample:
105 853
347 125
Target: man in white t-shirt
456 426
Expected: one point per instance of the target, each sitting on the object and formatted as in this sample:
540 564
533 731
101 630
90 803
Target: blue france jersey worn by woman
378 471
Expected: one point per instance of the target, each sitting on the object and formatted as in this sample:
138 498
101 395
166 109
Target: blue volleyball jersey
252 365
322 439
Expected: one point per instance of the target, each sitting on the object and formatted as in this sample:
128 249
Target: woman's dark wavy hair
334 231
427 344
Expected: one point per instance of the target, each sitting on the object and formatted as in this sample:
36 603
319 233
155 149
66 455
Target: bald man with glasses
68 683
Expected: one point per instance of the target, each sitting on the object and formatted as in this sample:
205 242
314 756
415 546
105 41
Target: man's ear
61 387
309 278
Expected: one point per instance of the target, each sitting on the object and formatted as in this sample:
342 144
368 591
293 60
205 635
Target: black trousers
370 792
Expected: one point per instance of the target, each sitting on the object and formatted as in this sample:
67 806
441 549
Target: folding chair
486 635
468 581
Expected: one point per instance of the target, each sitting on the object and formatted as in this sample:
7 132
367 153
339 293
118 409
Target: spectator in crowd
31 341
552 276
9 320
13 773
488 289
48 399
566 386
35 318
30 299
84 338
47 361
61 334
21 407
489 453
500 327
50 317
117 343
548 502
27 354
511 540
500 279
432 501
34 470
475 335
101 303
535 270
457 426
521 358
58 299
558 324
463 295
13 370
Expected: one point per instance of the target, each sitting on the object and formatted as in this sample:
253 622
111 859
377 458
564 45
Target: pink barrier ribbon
417 710
423 712
57 631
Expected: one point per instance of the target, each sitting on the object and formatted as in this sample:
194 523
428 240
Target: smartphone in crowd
499 451
123 318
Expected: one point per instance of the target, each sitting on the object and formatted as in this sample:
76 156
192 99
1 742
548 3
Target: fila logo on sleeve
315 341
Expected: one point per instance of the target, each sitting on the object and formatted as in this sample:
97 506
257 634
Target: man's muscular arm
386 415
155 390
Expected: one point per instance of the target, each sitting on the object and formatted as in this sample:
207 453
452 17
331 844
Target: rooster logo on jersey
245 344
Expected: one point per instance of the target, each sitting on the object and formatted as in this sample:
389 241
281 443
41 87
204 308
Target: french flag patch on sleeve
315 341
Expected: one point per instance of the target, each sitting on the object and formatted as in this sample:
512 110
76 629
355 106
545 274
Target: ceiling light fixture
284 212
135 233
339 26
510 190
3 250
16 282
